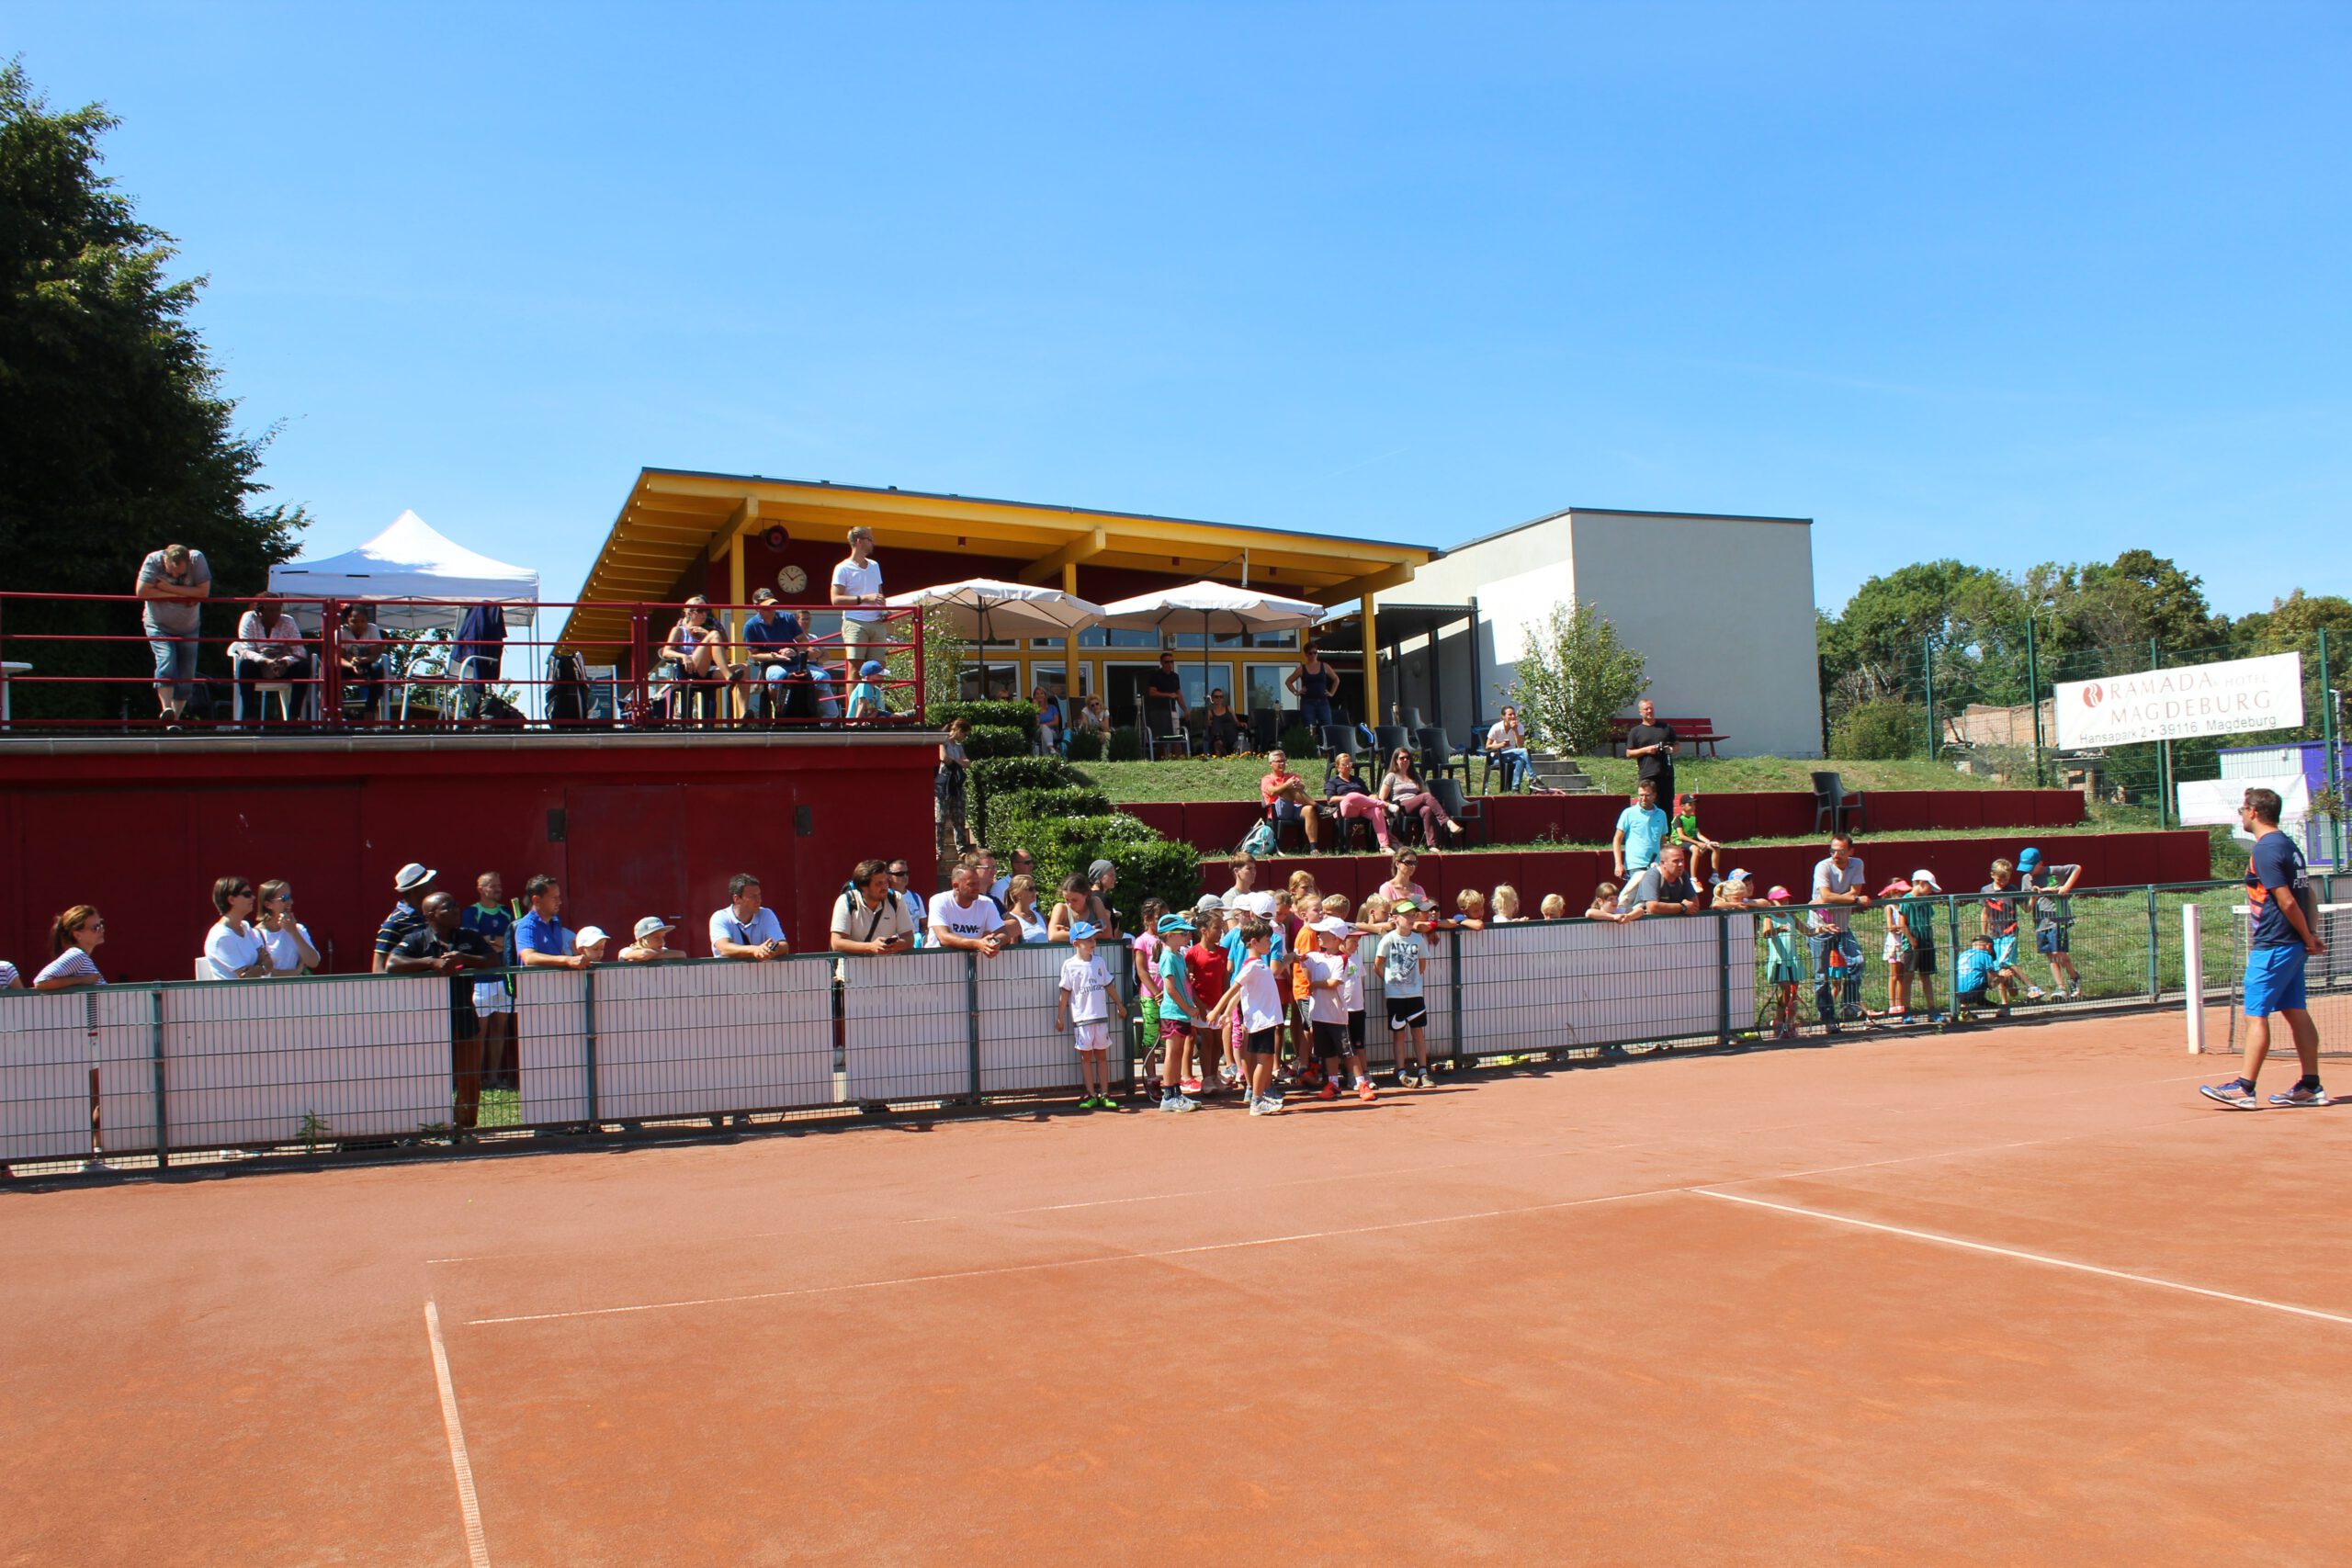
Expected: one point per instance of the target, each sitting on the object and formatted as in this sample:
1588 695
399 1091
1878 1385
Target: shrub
1066 800
1300 741
1149 867
1020 715
1124 745
1573 676
1085 746
1881 731
996 741
994 777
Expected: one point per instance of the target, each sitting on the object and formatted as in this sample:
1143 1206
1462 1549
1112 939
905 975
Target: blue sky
2005 283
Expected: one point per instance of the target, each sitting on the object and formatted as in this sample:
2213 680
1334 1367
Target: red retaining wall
1215 826
631 828
1962 865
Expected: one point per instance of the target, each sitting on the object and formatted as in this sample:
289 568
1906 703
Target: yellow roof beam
1372 582
1093 543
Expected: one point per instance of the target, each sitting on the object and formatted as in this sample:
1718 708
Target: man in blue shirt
1641 829
777 647
541 939
746 928
2279 886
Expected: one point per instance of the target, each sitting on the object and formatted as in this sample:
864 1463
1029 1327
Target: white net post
2192 973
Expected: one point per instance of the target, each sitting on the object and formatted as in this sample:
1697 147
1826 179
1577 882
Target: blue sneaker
2301 1094
2237 1094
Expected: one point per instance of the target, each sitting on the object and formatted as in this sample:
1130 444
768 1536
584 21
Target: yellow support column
736 595
1371 713
1069 576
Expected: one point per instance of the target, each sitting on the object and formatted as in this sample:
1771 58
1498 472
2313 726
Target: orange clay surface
1517 1319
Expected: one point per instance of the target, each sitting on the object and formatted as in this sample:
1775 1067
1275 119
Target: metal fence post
972 1013
2156 980
2034 698
1453 945
2164 754
1952 913
1723 980
162 1117
1928 671
2331 769
588 1028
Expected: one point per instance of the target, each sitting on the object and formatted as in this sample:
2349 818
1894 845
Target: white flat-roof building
1720 608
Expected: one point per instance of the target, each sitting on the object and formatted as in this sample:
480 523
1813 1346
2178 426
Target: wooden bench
1691 731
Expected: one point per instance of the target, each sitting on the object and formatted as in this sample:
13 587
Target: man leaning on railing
746 928
173 582
868 919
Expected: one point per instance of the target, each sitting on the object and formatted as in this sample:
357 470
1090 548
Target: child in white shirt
1086 1001
1256 997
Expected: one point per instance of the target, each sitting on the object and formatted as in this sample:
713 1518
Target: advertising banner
2229 698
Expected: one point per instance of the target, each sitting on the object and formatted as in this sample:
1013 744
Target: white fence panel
126 1051
907 1019
252 1063
702 1038
1019 1047
47 1048
551 1046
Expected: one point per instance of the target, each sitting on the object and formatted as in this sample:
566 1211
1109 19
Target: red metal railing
88 664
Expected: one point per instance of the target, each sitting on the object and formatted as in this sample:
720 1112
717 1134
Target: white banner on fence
2227 698
2207 802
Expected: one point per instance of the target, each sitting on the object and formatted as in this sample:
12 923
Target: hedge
993 777
1019 715
993 740
1149 867
1065 800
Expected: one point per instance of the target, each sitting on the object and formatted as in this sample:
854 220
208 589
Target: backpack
1260 840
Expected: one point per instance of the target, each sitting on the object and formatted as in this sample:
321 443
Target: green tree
115 436
2115 607
1572 679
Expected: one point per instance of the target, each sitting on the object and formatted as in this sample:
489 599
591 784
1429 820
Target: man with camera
1652 744
869 919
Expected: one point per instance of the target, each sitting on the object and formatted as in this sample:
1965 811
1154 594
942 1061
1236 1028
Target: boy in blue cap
2054 918
1086 1000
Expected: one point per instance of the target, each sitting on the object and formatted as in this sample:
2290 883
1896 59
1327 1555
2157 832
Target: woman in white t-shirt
287 939
233 948
74 936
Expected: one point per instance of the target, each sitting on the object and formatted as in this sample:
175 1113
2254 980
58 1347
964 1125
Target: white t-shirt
1359 964
1503 733
1325 1004
225 952
981 917
854 918
851 577
1826 879
285 952
762 927
1262 998
1087 981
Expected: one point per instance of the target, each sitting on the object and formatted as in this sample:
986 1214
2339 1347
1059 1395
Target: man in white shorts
858 587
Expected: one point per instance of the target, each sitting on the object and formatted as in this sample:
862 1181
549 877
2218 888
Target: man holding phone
869 917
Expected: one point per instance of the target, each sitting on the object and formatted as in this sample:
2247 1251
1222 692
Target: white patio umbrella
1216 608
982 607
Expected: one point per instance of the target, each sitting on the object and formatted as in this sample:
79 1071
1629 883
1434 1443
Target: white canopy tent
411 559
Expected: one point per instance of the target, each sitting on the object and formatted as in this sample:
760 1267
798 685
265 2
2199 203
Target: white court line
1516 1156
1073 1262
2041 1257
471 1510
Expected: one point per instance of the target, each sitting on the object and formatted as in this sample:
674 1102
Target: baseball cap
1084 930
589 936
764 596
1171 924
871 668
651 923
1738 875
2028 858
1208 903
1779 895
1331 925
1262 905
1405 904
1929 878
411 875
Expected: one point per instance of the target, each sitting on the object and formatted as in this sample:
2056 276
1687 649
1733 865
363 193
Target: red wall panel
644 829
1960 808
1165 818
1784 814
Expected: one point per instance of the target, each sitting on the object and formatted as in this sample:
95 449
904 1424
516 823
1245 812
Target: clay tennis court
2012 1296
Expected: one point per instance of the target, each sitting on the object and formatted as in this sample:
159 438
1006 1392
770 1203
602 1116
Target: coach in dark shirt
1652 744
1164 690
442 945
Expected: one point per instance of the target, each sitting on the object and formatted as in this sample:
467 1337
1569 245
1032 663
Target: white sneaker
1259 1108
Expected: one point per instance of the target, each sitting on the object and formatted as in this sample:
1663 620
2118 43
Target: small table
7 669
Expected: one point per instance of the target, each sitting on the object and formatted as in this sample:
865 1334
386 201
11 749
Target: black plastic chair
1163 730
1391 739
1410 719
1439 757
1334 738
1265 731
1834 808
1473 817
